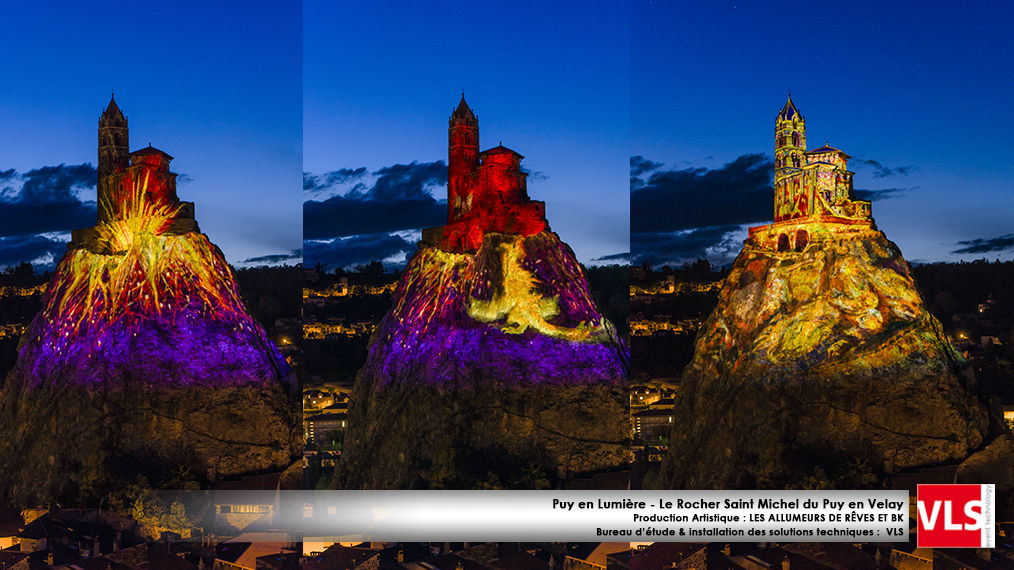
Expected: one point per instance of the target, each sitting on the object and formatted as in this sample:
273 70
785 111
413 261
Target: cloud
47 200
407 181
881 171
719 244
400 199
40 251
621 258
57 183
341 217
318 183
294 255
640 165
356 250
986 245
874 195
182 178
740 192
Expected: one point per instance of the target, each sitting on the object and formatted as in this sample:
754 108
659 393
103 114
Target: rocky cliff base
143 362
486 437
823 368
492 370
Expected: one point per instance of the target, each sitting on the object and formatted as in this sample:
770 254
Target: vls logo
956 516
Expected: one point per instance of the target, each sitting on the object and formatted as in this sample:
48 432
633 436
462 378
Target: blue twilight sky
919 94
548 80
217 85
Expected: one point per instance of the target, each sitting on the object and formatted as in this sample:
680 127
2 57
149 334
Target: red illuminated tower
487 191
462 161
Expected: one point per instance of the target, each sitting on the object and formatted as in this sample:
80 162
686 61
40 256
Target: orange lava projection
149 275
144 288
143 360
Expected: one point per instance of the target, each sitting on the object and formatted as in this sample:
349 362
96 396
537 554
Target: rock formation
820 357
493 368
143 360
488 364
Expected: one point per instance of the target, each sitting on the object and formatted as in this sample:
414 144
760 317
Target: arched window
795 139
783 242
802 239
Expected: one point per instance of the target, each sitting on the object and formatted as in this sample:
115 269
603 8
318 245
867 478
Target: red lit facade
123 175
486 191
122 172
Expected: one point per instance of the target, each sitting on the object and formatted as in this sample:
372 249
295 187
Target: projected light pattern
516 318
822 281
817 309
155 296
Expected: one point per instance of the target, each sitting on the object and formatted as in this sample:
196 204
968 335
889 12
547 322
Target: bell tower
790 159
790 141
114 141
462 160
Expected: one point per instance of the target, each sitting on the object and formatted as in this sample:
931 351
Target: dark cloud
407 181
400 199
57 183
640 165
986 245
879 170
47 201
738 193
316 183
294 255
6 175
182 178
340 217
622 257
874 195
719 244
38 250
356 250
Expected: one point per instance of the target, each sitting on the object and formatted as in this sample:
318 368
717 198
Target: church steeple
462 159
463 112
788 111
790 141
114 141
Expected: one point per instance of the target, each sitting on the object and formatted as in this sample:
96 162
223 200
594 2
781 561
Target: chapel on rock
486 191
123 175
814 199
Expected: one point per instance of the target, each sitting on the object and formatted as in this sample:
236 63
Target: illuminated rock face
817 359
143 356
820 354
494 361
488 364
